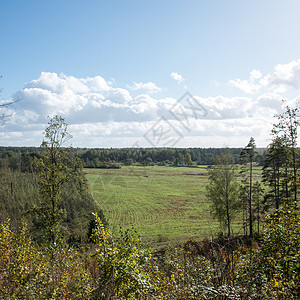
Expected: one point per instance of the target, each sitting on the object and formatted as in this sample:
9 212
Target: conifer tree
287 130
275 173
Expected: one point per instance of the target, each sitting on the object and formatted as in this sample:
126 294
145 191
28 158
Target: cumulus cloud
177 77
102 114
286 75
221 107
148 87
82 99
249 86
283 76
270 100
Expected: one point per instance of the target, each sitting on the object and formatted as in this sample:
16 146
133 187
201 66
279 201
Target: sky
148 73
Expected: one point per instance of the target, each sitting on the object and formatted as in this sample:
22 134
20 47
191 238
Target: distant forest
21 158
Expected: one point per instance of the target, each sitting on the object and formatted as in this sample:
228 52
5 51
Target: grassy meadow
165 205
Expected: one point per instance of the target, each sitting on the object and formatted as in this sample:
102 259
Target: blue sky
115 69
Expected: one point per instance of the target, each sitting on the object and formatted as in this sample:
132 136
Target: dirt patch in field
197 173
189 173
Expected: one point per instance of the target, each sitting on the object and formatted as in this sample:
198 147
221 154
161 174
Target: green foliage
188 159
93 223
258 208
281 248
78 204
275 173
179 274
121 268
286 129
54 169
18 192
272 271
120 262
27 272
95 158
223 190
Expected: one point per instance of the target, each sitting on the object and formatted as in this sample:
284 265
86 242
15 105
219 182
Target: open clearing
166 205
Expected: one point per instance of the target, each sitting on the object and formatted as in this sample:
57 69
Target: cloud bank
101 114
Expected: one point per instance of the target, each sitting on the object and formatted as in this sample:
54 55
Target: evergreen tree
275 173
287 130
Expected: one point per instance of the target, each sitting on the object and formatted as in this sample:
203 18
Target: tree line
21 158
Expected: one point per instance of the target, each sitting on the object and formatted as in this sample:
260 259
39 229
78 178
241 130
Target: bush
274 269
121 263
27 272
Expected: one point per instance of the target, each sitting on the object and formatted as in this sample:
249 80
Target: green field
165 205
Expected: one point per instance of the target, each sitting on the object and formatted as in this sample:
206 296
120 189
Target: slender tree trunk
277 189
293 140
294 174
250 202
228 218
11 190
286 182
227 210
258 212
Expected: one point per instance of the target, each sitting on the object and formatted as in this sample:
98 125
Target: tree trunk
250 201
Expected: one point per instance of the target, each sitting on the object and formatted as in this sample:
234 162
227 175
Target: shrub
121 263
27 272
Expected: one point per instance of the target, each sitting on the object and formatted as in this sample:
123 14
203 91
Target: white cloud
270 100
249 86
255 74
245 86
97 84
177 77
221 107
118 95
82 100
58 83
148 87
102 115
284 75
